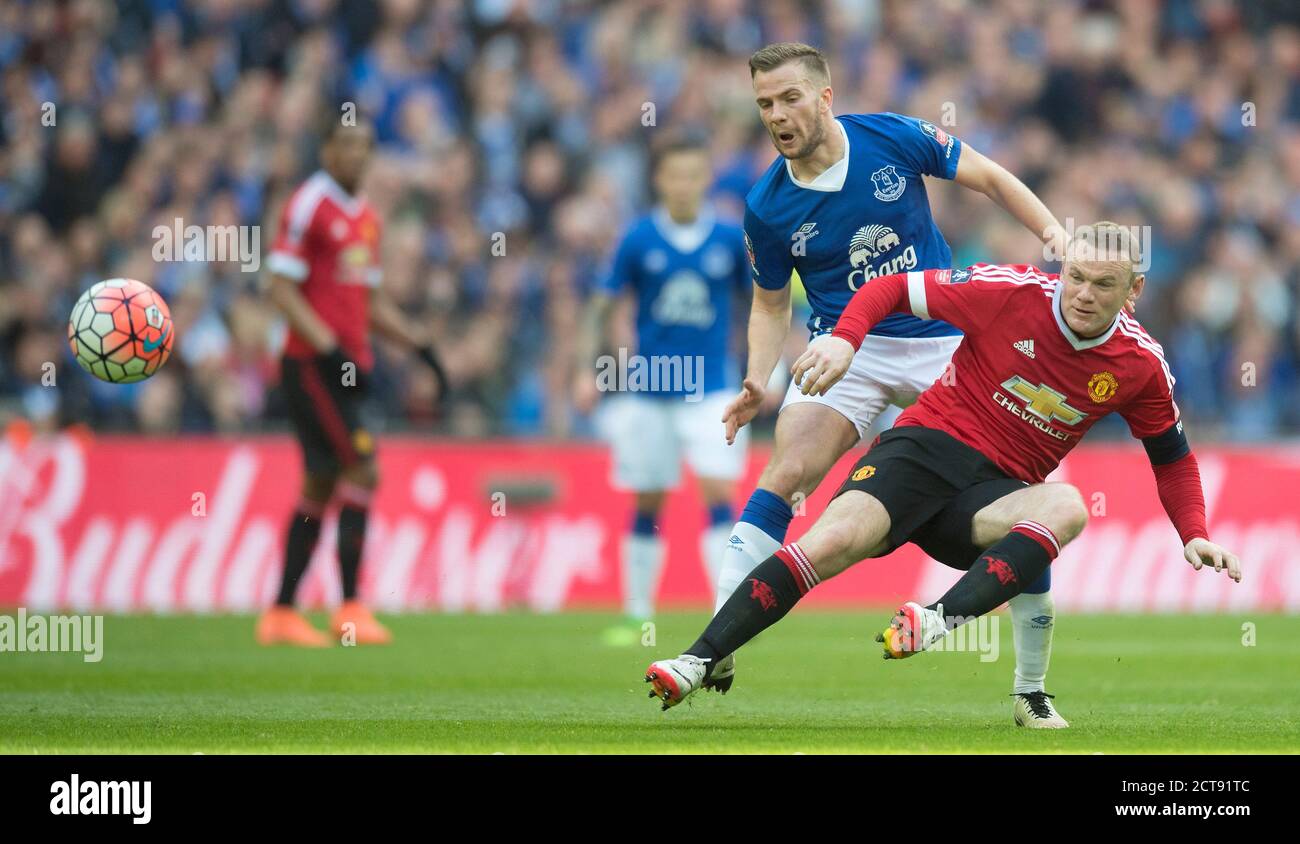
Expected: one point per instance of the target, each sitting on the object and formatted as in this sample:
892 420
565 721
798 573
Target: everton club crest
889 185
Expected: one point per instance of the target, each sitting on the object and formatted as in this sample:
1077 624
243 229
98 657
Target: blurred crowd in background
523 126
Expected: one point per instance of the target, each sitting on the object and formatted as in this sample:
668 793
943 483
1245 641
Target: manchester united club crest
1102 387
864 473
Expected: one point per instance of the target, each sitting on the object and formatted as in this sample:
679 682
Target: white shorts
885 371
651 436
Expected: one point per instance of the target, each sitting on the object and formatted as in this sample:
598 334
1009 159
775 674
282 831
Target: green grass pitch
517 683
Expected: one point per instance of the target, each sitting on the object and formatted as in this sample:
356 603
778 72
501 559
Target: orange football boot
365 630
285 626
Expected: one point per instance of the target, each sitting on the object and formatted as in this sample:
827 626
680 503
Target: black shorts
947 536
932 485
326 416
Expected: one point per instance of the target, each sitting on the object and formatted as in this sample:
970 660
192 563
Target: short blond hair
774 55
1109 241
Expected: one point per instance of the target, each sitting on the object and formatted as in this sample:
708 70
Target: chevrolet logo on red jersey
1044 402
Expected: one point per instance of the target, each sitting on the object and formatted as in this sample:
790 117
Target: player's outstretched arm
1179 485
769 323
829 357
986 176
966 298
1178 481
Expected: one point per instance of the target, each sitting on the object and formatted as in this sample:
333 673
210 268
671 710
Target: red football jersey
1022 388
328 241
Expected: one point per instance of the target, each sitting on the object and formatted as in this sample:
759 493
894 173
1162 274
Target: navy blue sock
1041 585
644 524
768 512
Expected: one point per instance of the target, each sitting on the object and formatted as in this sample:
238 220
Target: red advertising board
196 525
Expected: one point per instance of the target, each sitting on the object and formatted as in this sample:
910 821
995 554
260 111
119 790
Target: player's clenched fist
742 409
1203 552
822 364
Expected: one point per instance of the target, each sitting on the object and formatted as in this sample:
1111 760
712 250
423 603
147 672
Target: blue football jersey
685 279
867 216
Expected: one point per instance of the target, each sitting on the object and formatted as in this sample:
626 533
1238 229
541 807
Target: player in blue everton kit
686 271
845 202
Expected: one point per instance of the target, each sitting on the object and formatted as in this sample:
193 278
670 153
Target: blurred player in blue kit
686 271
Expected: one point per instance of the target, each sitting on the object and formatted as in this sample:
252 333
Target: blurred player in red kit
962 472
325 278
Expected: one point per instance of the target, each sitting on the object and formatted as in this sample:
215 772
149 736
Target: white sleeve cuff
287 265
916 294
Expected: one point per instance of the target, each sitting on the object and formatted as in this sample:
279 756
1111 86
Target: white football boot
674 680
1035 710
912 629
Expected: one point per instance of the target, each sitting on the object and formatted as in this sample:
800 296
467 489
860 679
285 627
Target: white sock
643 558
740 558
713 544
1032 620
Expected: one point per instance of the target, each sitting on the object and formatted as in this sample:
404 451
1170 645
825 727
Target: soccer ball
121 331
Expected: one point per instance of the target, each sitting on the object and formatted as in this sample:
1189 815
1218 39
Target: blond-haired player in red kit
961 474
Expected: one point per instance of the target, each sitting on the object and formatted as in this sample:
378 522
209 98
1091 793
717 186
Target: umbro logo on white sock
1025 347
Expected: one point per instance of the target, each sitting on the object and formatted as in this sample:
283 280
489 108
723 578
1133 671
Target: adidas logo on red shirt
1025 347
